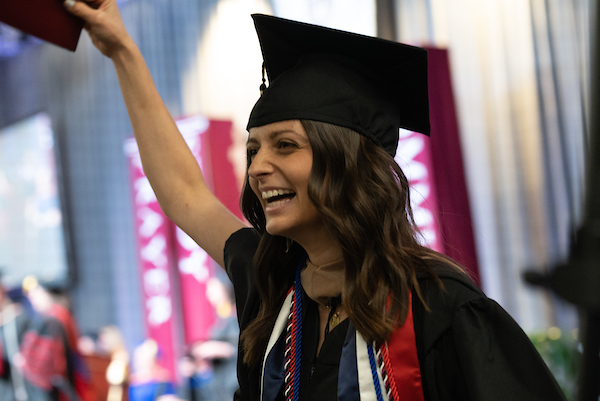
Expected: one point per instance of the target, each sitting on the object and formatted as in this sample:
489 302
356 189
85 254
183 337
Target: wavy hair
363 197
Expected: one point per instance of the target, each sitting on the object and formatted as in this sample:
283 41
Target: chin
277 228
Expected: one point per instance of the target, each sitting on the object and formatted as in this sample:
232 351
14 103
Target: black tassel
263 86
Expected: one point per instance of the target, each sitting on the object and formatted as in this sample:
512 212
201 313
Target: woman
336 298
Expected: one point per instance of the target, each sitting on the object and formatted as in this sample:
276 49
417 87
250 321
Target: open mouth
278 195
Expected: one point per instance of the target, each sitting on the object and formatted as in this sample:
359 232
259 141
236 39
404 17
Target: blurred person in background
148 380
215 357
197 382
49 355
13 323
202 375
111 344
86 344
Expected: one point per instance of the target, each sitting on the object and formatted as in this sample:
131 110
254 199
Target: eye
250 153
286 145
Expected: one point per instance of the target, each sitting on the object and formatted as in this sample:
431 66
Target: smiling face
280 160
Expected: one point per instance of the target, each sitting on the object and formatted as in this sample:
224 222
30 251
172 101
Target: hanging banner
209 141
164 247
195 266
153 233
193 263
434 167
454 211
414 157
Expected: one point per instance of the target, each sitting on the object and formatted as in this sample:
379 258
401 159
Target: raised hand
168 163
103 23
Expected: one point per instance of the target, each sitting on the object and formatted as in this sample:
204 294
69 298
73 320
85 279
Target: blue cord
374 372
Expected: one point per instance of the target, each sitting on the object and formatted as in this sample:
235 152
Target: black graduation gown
469 348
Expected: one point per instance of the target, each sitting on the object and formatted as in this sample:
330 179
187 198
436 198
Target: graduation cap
370 85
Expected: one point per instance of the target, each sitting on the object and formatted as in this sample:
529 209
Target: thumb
79 8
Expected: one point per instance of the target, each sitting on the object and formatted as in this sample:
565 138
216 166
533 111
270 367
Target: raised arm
168 163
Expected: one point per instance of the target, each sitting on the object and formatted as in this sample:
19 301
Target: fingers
102 22
79 9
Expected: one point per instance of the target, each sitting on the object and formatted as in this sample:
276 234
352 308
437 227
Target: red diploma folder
45 19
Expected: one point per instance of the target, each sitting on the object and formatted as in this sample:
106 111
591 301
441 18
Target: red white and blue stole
367 371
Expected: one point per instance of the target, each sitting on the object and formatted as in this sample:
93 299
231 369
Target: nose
260 164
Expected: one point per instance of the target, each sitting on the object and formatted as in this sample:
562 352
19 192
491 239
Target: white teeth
277 203
275 192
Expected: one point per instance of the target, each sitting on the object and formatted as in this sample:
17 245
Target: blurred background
502 190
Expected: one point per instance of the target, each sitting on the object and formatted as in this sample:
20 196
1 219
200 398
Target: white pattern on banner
159 307
413 156
153 237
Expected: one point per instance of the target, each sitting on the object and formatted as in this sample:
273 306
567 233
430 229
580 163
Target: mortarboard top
45 19
370 85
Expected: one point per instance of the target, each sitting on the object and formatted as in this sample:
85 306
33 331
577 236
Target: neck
321 249
326 257
324 274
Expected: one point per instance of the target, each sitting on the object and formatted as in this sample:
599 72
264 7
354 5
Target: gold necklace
334 314
334 321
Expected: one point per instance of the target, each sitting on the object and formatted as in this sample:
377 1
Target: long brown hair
363 197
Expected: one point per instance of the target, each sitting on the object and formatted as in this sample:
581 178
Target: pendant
334 321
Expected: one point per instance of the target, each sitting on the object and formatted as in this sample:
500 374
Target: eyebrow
271 135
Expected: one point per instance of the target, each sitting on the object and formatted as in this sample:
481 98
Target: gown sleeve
238 253
476 351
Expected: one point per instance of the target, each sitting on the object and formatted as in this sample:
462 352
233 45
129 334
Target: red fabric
81 380
83 386
404 367
44 357
81 376
63 315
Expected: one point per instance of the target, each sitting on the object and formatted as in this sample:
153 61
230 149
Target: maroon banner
414 157
434 167
153 233
210 142
454 209
224 181
159 252
195 266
